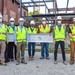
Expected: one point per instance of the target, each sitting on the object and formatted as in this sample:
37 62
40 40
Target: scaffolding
51 17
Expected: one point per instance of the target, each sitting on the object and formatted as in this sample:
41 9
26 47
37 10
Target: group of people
13 40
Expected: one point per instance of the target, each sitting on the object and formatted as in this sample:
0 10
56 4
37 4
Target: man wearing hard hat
59 37
3 30
32 30
72 41
20 41
44 28
11 40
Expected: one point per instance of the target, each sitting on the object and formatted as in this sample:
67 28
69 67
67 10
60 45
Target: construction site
36 10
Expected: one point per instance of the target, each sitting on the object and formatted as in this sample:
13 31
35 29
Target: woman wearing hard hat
31 45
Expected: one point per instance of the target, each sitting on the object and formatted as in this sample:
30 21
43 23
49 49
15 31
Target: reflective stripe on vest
46 30
73 32
32 32
59 34
21 35
3 32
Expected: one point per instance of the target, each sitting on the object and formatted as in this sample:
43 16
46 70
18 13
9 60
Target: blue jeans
31 48
44 48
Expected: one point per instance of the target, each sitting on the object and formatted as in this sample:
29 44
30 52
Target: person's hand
26 43
65 41
53 41
16 43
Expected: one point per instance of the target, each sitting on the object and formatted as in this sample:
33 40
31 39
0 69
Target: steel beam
34 5
20 8
38 1
67 5
53 15
62 9
56 5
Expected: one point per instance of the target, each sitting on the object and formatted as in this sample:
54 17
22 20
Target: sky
60 3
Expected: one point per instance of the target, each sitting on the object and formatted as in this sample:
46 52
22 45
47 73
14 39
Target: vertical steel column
55 10
2 6
20 8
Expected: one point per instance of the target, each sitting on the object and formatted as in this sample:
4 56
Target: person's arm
50 30
7 30
53 36
70 33
65 34
15 37
38 30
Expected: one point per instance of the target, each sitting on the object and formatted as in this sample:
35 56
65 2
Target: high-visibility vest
21 35
3 32
59 34
46 30
73 32
32 32
10 30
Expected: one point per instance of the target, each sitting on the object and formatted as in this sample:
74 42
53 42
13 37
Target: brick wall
0 6
10 10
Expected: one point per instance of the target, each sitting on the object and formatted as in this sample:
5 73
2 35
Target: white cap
1 16
12 19
74 19
32 22
43 19
59 17
21 19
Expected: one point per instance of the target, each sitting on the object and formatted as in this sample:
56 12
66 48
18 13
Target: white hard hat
59 17
43 19
32 22
74 19
12 19
21 19
1 16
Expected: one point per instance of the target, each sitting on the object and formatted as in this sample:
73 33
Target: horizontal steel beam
38 1
53 15
62 9
34 5
27 17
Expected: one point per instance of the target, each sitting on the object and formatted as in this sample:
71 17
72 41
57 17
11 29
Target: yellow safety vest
59 34
3 32
46 30
73 32
21 35
32 32
10 30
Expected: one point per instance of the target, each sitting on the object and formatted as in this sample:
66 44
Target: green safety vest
32 32
10 30
3 32
73 32
46 30
59 34
21 35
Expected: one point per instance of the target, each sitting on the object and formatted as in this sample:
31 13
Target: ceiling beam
63 9
53 15
38 1
34 2
34 5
